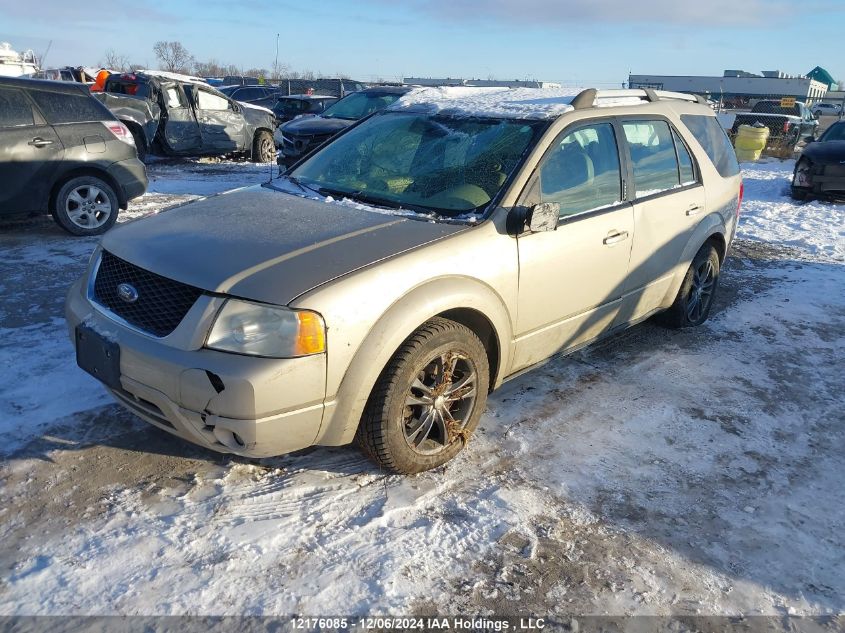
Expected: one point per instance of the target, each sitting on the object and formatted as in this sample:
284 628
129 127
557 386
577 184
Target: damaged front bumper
250 406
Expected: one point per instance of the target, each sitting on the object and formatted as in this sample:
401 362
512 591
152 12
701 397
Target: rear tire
695 297
263 147
428 400
140 143
85 205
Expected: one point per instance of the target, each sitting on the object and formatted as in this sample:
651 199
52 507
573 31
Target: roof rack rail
590 97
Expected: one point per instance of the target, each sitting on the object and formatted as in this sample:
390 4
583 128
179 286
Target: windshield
360 104
450 166
835 132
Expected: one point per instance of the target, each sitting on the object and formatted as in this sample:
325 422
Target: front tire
263 147
695 297
85 205
428 400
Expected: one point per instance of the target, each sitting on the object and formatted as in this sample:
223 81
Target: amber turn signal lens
311 334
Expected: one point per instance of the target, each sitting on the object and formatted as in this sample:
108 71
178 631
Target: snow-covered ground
689 472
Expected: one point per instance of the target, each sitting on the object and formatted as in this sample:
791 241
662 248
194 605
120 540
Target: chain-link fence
791 121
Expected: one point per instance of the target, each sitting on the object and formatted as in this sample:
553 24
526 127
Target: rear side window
709 133
15 109
61 107
685 167
653 156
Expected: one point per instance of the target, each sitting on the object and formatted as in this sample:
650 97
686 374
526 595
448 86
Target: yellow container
750 142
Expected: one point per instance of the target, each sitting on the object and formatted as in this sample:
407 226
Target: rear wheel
263 147
695 297
428 400
140 142
85 205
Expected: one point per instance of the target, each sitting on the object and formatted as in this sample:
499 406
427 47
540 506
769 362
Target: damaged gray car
176 115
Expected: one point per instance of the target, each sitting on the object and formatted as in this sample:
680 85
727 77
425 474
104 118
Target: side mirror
543 217
540 217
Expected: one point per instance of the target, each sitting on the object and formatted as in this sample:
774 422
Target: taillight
120 131
739 199
786 126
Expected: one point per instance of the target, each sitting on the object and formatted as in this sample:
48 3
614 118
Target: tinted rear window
15 109
69 108
714 140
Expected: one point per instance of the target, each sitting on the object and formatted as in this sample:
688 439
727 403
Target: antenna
44 56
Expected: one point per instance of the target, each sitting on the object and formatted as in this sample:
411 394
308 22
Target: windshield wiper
361 196
303 187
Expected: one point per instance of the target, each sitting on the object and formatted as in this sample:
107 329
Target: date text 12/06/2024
419 623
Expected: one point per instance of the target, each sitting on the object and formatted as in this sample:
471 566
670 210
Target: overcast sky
575 41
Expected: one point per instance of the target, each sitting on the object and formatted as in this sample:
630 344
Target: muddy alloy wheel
86 205
428 400
439 402
695 297
263 148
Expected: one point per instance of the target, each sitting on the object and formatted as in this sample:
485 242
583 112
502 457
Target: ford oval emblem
127 293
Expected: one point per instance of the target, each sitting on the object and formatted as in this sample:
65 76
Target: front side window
421 162
15 109
652 155
360 104
582 171
210 101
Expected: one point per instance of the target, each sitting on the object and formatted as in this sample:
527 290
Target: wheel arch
461 299
76 172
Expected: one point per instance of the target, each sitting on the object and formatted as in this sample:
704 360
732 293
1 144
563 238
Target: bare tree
115 61
173 56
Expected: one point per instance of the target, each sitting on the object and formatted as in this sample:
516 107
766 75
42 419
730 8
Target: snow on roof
516 103
163 74
512 103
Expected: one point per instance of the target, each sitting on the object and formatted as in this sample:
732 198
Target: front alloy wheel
439 402
428 399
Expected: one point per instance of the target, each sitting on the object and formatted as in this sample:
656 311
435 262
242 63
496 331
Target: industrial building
478 83
735 84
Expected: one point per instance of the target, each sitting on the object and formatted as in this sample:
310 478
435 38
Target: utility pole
276 64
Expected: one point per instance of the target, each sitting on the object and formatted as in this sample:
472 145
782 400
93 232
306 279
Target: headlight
261 330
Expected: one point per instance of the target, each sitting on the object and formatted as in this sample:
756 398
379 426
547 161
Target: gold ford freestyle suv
389 280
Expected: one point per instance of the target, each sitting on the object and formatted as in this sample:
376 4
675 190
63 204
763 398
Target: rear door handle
40 142
696 208
615 238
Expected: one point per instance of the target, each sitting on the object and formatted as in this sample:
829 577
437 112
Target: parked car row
280 317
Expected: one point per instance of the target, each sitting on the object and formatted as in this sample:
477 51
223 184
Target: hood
825 152
265 245
316 125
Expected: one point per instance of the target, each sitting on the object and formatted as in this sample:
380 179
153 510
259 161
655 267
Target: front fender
344 410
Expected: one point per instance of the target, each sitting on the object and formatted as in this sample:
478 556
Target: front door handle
695 208
40 142
615 237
